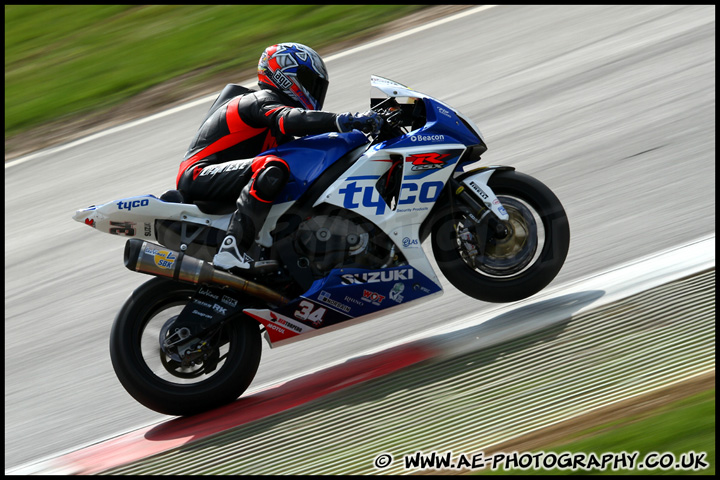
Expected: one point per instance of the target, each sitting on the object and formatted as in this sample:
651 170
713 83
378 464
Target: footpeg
264 266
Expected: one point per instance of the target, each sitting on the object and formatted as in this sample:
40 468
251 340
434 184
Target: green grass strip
67 59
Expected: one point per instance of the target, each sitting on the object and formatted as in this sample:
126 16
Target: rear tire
503 268
144 371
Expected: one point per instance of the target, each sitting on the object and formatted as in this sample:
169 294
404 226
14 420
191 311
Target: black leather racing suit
222 163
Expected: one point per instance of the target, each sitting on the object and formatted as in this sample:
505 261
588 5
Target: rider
218 166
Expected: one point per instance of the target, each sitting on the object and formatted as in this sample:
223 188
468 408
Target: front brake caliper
468 241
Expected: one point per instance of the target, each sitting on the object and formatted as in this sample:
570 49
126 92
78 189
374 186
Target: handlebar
395 116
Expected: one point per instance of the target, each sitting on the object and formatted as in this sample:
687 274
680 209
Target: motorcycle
342 244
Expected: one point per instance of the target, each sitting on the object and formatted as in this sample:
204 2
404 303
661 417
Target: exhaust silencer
153 259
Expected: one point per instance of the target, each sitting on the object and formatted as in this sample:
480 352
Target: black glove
368 122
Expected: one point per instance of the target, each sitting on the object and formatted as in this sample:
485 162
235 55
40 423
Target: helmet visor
315 85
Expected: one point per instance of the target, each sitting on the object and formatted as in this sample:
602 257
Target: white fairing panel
421 185
136 216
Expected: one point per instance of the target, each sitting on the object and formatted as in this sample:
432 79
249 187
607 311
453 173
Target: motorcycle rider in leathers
224 161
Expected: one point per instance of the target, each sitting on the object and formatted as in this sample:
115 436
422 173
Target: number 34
306 312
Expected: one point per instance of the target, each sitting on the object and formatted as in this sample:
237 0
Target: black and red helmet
297 71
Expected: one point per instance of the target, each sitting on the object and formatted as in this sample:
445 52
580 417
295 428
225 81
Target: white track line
249 83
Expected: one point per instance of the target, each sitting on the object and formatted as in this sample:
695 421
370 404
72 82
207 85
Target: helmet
295 70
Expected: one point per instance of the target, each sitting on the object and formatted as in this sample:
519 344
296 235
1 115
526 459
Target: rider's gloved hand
368 122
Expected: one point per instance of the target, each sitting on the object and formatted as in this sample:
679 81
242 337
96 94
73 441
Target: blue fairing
442 126
444 121
309 156
354 292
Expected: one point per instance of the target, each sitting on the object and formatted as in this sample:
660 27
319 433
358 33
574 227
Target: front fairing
442 126
442 119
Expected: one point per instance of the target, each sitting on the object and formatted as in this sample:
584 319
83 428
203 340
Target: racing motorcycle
343 243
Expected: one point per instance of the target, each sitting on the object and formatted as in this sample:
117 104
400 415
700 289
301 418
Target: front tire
151 377
501 262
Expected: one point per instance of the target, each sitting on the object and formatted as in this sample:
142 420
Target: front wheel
496 261
157 379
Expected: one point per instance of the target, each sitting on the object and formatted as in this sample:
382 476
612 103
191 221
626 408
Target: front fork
470 192
472 188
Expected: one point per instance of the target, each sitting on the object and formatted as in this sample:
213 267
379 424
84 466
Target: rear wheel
223 363
503 261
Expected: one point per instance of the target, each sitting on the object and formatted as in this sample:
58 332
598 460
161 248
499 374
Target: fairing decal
344 295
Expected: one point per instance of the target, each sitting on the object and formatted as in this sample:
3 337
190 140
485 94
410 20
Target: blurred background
613 107
74 63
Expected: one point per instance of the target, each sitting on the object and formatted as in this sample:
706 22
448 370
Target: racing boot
253 205
232 253
229 256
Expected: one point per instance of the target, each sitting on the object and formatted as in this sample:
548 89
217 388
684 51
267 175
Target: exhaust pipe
153 259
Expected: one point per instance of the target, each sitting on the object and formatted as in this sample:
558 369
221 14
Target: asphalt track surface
613 107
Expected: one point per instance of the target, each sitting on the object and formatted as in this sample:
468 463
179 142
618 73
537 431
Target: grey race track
613 107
